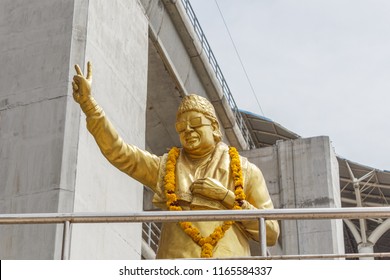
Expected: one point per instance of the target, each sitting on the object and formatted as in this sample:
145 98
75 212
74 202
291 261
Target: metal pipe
356 187
354 231
312 256
372 172
262 237
366 204
366 195
362 222
209 215
66 241
379 231
368 184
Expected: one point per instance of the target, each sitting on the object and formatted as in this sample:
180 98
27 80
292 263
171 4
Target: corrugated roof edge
269 120
255 115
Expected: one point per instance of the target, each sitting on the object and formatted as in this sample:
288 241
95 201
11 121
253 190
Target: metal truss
365 190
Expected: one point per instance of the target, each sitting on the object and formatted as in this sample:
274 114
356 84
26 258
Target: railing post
150 234
262 237
66 241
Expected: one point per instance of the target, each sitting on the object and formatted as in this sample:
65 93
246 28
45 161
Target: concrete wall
48 161
117 44
303 173
35 42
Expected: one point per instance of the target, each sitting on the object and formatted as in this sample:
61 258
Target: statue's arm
257 197
135 162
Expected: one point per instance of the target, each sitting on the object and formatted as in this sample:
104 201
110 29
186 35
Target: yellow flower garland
206 243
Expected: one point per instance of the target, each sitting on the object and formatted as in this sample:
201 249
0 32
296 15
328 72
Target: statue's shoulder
244 161
225 149
222 146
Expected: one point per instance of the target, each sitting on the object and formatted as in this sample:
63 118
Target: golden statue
204 174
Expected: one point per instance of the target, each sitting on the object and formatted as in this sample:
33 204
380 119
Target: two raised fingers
89 71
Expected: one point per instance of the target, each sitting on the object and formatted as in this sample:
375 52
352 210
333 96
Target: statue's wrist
247 206
89 106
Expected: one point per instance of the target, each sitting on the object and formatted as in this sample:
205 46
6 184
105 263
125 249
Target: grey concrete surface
303 173
117 44
35 42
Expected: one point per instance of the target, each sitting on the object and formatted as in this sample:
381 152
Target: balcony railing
171 216
151 233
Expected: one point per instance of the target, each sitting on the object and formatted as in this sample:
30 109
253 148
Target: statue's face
196 133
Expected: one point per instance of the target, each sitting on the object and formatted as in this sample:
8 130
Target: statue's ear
216 131
215 126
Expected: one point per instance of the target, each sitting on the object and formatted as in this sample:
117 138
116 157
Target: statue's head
197 124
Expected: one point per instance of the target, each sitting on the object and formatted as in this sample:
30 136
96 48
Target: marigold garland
208 243
235 166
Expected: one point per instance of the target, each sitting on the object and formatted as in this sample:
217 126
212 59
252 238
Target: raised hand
82 85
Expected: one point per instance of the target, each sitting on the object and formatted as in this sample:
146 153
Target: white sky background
318 67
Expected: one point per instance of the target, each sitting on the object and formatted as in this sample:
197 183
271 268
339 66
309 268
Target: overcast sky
318 67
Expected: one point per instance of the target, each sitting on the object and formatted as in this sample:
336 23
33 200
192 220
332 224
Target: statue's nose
188 127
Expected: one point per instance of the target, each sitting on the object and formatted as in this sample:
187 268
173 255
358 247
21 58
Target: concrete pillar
48 161
36 146
310 178
117 44
303 173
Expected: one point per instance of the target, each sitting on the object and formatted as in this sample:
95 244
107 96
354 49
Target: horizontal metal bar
313 256
174 216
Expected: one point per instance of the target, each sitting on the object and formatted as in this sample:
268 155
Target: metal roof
374 184
266 132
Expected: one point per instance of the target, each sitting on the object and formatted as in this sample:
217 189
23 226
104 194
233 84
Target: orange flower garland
235 166
206 243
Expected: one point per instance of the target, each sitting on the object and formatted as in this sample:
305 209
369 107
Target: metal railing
151 233
218 73
222 215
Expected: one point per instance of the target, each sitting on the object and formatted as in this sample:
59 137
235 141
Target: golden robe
149 169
